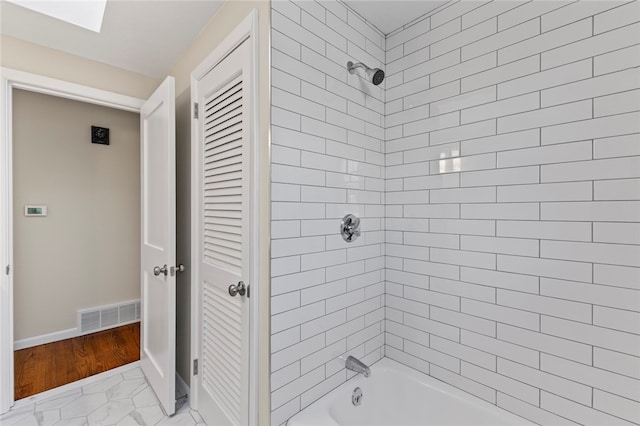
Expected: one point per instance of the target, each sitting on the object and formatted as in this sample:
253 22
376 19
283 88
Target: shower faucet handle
353 235
350 228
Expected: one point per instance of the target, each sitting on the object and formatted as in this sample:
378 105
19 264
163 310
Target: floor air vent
109 316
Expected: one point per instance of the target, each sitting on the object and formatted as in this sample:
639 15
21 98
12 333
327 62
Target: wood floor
48 366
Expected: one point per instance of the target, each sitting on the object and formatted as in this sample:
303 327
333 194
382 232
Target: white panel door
224 215
158 293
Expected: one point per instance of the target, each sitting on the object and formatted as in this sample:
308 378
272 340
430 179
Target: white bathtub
396 395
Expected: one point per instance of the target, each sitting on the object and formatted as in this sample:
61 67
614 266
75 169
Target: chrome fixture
356 397
354 364
179 268
374 75
239 288
350 228
164 270
158 270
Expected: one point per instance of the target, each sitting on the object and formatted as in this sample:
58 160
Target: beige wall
85 253
29 57
227 18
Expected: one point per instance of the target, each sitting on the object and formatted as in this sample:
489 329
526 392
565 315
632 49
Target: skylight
83 13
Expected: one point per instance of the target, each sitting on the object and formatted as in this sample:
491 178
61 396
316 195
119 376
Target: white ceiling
389 15
148 36
143 36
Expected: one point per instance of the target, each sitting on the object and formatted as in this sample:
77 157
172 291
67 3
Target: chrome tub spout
354 364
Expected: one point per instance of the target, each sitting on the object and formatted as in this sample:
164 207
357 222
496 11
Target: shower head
374 75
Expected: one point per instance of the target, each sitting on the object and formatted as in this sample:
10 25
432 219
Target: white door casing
10 79
158 292
6 247
224 221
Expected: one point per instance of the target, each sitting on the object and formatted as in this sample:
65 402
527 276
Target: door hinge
7 270
195 110
195 367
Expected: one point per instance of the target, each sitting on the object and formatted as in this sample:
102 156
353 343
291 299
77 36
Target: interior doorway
76 229
11 79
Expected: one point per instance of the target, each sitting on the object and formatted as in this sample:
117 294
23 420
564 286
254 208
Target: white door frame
247 30
10 79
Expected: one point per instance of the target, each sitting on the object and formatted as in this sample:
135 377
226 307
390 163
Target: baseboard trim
45 338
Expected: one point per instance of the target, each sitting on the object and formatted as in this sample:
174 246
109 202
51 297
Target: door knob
174 269
239 288
158 270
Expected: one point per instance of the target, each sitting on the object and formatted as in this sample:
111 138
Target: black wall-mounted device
99 135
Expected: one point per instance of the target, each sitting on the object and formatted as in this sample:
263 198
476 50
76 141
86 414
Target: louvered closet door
225 135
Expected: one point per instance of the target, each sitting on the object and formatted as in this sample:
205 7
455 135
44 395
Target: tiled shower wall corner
327 161
513 205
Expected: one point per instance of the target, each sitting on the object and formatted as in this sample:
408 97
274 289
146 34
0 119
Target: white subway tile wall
327 161
497 173
541 121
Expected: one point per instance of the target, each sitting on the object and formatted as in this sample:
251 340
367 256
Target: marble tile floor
122 399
